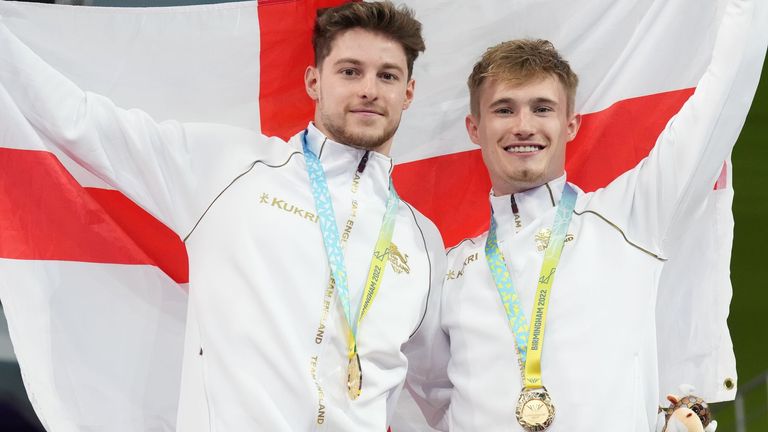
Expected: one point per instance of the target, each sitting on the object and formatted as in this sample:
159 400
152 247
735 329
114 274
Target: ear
311 77
409 89
471 122
672 398
573 126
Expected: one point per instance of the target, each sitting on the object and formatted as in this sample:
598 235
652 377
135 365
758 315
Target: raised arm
682 168
160 166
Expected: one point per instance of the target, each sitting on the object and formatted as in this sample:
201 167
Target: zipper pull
363 161
513 203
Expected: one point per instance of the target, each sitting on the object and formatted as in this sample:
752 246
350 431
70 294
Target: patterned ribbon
333 249
530 339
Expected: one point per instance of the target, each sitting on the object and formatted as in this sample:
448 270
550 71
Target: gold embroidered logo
455 274
398 260
542 238
287 207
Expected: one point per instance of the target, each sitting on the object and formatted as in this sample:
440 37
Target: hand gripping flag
94 287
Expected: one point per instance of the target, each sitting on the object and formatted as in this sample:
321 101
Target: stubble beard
519 179
341 133
528 178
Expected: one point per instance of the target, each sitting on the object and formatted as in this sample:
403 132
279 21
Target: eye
349 72
542 110
388 76
503 111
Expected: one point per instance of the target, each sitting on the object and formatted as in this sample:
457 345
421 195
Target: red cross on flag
94 286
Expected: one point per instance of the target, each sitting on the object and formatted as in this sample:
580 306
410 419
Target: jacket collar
342 160
516 212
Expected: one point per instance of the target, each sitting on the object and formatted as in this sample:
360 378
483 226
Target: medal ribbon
333 249
530 339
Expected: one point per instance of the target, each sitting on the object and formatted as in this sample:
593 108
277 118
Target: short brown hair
519 61
384 18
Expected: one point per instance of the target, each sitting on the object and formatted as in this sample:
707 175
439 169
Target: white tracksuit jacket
256 356
599 360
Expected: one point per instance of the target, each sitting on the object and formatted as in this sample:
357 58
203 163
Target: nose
369 87
523 126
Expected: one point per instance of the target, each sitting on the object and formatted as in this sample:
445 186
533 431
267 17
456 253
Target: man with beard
296 319
548 319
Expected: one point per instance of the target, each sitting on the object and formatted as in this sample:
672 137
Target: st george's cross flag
94 287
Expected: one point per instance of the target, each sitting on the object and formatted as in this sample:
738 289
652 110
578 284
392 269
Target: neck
383 148
507 189
510 187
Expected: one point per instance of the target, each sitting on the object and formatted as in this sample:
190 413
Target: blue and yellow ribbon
333 248
530 339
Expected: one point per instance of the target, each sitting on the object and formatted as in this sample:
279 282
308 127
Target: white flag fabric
94 287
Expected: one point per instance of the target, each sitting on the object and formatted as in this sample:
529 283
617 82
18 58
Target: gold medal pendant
354 377
535 411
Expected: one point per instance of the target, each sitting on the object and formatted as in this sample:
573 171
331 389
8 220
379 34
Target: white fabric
158 59
617 47
165 60
258 343
95 322
257 265
162 60
601 336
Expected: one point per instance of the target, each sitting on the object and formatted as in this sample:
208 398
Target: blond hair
520 61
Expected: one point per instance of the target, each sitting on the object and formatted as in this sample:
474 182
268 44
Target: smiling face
522 130
361 89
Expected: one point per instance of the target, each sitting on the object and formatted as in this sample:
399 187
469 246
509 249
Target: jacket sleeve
668 204
428 351
159 165
679 173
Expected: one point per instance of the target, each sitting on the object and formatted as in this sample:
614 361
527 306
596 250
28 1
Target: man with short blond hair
521 61
548 319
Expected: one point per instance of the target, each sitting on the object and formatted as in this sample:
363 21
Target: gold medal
535 411
354 377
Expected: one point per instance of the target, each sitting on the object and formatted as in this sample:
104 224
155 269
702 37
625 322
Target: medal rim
528 395
354 368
